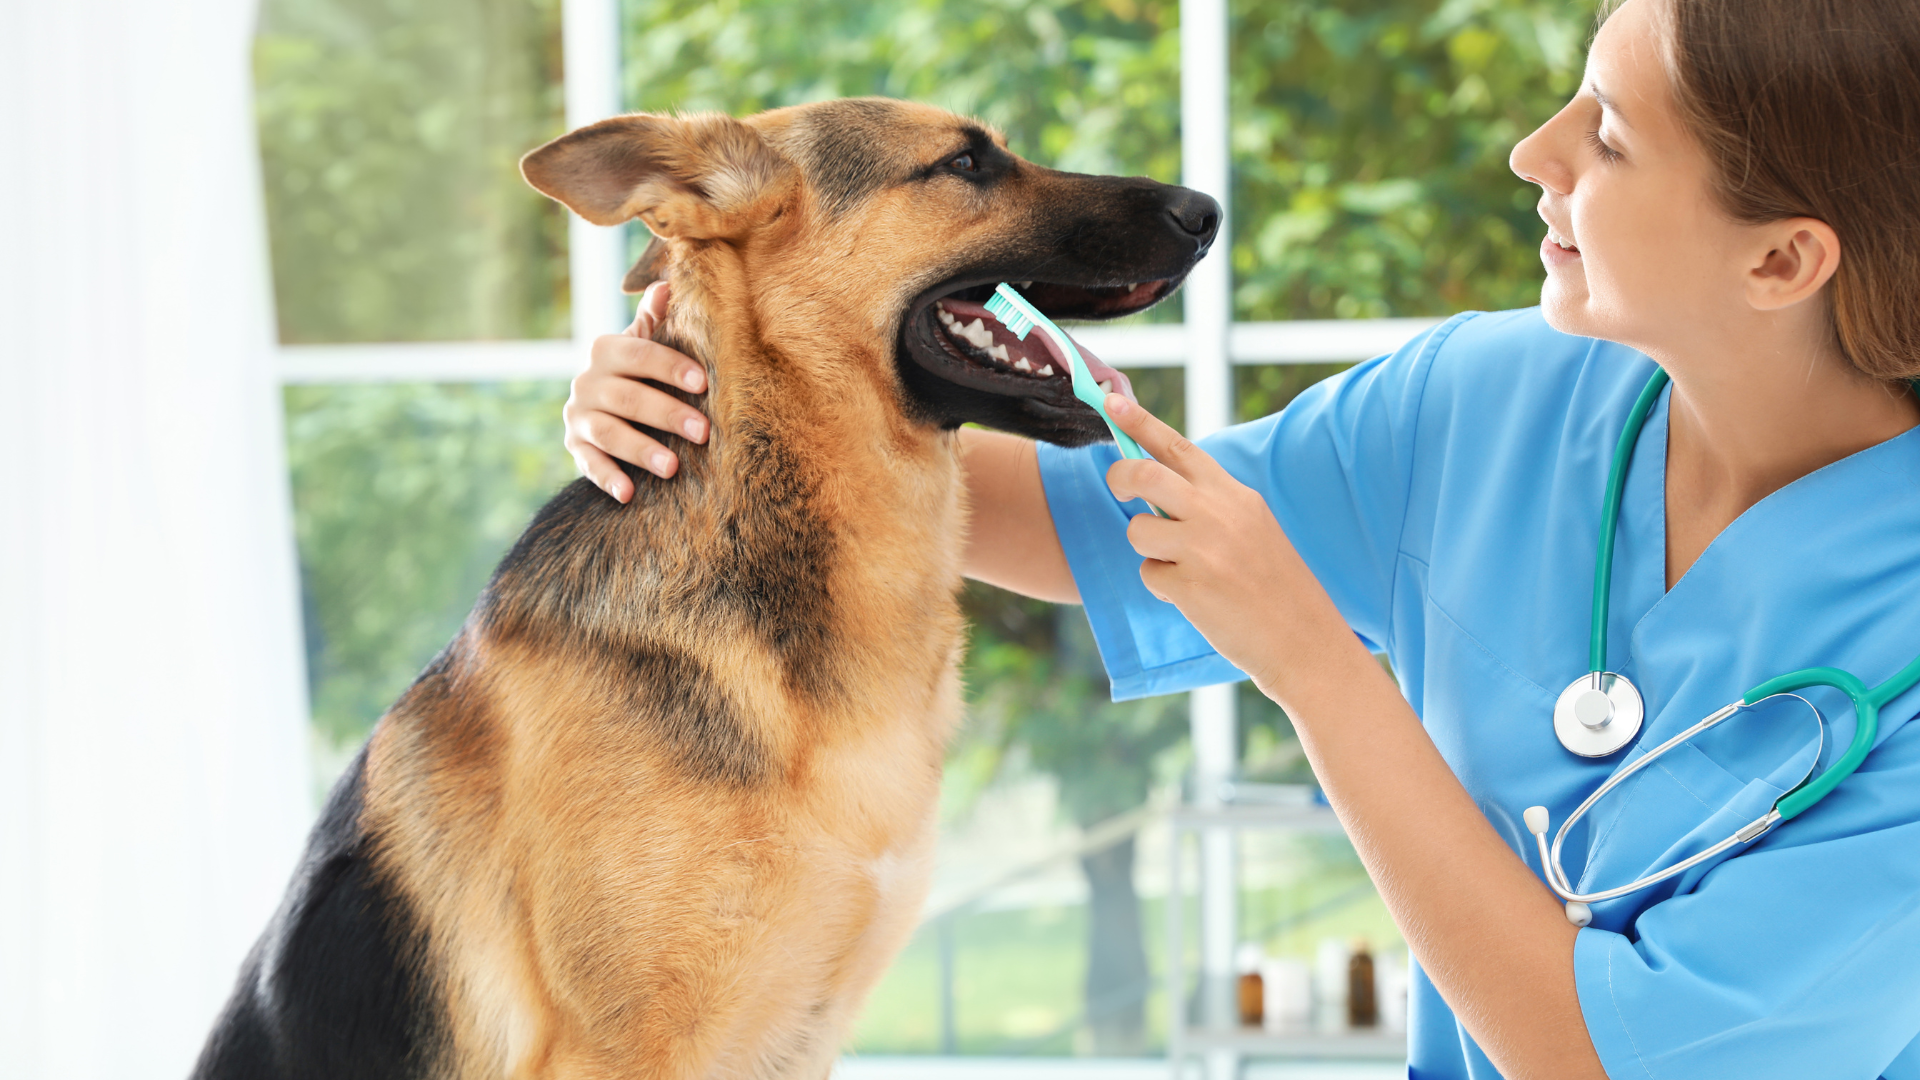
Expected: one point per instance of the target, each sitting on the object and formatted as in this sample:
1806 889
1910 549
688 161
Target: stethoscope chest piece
1598 714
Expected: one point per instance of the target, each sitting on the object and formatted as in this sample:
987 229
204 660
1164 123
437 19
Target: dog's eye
964 163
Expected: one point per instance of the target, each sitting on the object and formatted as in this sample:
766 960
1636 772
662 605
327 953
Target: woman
1734 195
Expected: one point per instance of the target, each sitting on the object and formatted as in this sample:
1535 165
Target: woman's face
1636 251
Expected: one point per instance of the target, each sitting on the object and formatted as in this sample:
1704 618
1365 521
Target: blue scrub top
1448 497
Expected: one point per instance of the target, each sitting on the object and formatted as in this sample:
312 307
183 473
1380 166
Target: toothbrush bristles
1010 316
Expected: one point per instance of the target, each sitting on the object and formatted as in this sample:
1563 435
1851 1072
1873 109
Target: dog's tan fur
624 919
665 808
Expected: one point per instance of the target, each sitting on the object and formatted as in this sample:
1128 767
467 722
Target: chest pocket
1693 797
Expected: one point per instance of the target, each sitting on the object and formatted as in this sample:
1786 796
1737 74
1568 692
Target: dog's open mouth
979 350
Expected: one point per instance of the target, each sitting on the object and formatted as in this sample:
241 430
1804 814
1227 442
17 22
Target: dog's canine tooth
1106 386
1022 365
1023 284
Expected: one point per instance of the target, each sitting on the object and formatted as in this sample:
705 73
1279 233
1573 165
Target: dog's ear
695 177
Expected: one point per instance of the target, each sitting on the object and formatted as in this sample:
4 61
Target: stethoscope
1602 711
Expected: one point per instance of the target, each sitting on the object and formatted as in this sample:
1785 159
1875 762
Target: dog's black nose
1197 215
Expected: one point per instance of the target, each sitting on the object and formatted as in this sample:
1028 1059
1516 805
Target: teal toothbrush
1018 315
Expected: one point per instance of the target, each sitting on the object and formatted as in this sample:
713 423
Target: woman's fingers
638 358
1160 486
1157 437
644 402
619 386
651 309
1131 478
605 472
603 433
1155 538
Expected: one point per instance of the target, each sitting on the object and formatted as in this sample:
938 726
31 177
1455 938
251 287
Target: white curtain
153 778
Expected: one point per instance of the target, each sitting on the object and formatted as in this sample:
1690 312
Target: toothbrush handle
1131 449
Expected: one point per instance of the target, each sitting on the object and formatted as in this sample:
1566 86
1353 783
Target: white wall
152 709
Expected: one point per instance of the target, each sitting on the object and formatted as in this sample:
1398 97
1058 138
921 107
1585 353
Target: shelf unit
1219 1038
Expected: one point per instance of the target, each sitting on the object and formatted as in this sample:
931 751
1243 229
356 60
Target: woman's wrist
1314 656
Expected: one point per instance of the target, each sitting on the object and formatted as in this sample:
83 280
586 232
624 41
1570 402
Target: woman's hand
1220 556
611 392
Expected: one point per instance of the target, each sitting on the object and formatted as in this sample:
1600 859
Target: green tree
1087 85
390 131
405 495
1037 682
1370 152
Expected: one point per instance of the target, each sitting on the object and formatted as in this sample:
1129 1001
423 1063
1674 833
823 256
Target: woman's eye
1600 147
964 163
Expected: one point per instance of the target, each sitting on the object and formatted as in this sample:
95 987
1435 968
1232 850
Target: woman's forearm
1011 541
1494 941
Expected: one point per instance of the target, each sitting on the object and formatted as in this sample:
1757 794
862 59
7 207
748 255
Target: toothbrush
1017 314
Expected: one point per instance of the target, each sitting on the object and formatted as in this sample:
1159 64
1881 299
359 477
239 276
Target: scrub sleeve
1800 957
1334 466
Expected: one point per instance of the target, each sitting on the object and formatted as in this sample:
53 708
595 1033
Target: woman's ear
1795 258
697 177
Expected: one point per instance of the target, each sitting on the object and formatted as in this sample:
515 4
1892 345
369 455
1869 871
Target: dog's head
890 223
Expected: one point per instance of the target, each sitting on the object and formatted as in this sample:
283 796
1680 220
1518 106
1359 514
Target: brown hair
1811 108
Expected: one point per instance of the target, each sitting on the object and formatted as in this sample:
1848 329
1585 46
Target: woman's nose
1536 160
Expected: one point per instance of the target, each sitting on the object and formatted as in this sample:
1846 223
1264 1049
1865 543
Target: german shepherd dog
665 807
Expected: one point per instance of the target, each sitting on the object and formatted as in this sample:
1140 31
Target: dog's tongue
1099 369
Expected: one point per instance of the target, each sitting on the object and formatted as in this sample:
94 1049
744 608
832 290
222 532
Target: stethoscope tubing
1610 518
1550 860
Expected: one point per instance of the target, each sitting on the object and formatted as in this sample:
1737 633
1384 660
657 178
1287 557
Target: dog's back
665 807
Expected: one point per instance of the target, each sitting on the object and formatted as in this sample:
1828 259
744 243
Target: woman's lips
1554 255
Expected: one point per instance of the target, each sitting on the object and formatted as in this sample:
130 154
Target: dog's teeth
1106 386
1046 371
1021 364
1023 284
999 352
1130 286
946 317
977 333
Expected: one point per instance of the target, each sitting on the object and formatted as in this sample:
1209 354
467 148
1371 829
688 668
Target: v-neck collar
1897 458
1650 453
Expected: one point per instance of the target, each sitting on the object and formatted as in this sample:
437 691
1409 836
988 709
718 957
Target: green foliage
1035 679
1370 138
1370 146
1087 85
405 496
389 135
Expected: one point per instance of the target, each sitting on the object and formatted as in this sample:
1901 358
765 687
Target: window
431 308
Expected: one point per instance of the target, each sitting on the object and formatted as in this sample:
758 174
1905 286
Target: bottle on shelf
1252 989
1363 1001
1390 978
1330 985
1287 987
